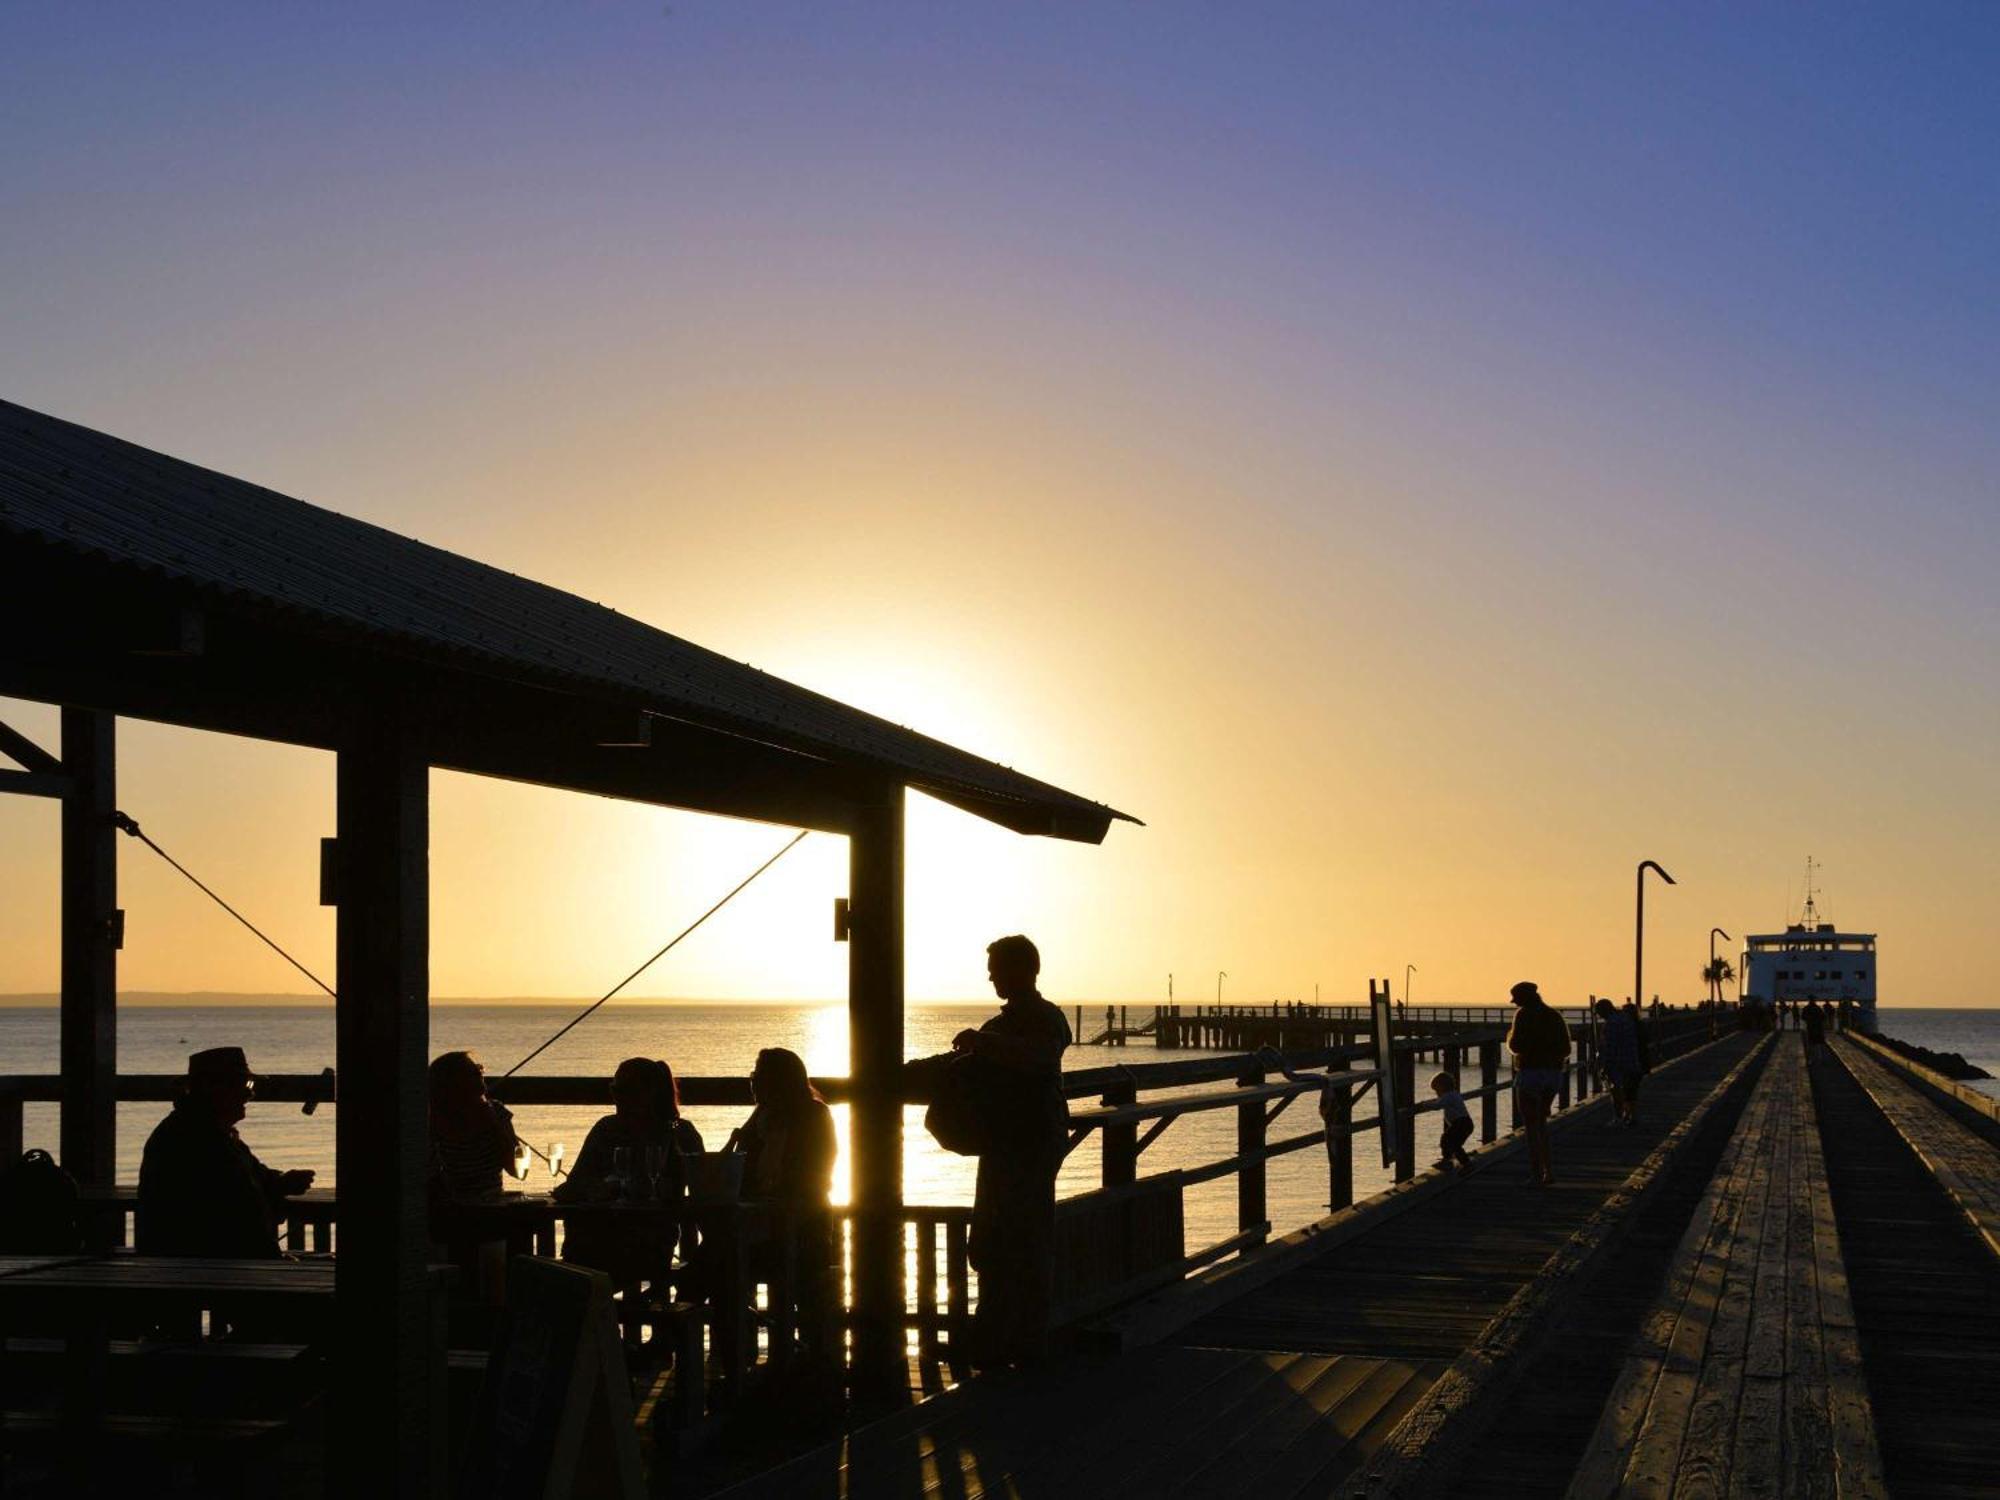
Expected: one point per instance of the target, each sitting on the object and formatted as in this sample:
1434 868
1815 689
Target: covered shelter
135 584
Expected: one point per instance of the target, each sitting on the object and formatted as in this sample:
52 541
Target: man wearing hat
201 1190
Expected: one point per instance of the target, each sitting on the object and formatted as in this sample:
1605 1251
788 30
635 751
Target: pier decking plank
1965 1165
1916 1321
1290 1391
1736 1400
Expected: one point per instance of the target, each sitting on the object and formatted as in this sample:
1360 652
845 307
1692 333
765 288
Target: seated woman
647 1125
789 1148
472 1133
472 1145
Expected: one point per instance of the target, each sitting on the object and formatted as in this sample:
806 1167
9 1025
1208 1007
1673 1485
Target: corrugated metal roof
104 498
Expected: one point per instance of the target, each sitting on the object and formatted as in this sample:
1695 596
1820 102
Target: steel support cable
127 825
588 1010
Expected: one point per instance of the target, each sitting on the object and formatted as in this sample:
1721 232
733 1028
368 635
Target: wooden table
85 1297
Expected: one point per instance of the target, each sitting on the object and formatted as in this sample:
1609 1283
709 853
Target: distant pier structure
1288 1025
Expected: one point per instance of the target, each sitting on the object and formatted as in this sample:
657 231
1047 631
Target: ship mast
1809 918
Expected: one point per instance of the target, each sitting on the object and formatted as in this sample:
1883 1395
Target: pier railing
1126 1236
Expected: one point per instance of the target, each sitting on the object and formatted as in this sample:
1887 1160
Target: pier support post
1340 1147
875 1064
1405 1121
1121 1142
387 1436
1489 1104
1251 1208
88 1139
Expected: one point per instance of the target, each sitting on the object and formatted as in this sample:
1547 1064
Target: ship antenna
1810 916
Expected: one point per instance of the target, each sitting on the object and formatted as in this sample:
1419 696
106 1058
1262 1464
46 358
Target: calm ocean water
722 1039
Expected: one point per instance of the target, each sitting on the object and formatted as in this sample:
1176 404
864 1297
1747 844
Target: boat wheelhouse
1812 960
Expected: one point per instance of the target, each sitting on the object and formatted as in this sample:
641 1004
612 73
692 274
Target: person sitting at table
789 1150
472 1133
201 1190
646 1123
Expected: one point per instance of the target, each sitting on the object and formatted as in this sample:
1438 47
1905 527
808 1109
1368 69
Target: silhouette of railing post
1404 1122
1489 1103
1251 1211
1121 1142
10 1128
1340 1146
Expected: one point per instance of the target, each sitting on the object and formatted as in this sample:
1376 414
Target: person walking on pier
1539 1041
1814 1017
201 1190
1457 1122
1012 1243
1619 1059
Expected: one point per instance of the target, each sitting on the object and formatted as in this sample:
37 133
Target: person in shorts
1457 1122
1539 1042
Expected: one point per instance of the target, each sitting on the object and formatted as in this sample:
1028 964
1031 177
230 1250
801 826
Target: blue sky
1597 401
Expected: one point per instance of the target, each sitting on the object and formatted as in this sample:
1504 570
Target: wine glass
620 1176
523 1159
656 1167
555 1159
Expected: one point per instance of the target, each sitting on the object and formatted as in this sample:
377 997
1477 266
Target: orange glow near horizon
1420 470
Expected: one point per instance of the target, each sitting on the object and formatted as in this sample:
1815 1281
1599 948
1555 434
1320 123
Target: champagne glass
656 1168
621 1170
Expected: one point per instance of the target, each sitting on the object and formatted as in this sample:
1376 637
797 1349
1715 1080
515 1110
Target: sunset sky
1421 460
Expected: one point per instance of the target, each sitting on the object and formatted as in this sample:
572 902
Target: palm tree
1716 975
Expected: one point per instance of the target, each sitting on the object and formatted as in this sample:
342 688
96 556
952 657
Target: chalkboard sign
554 1420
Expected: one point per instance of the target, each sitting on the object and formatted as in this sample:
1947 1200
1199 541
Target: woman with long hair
472 1134
789 1149
647 1127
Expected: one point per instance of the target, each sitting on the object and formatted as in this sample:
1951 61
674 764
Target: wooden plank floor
1926 1294
1966 1165
1287 1393
1537 1438
1745 1378
1424 1284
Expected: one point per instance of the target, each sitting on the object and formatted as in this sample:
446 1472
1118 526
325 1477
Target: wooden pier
1783 1284
1706 1286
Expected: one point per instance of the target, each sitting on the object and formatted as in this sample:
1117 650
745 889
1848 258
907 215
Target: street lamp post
1219 977
1408 970
1639 931
1715 979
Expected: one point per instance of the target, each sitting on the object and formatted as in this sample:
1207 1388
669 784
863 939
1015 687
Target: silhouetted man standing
201 1190
1013 1216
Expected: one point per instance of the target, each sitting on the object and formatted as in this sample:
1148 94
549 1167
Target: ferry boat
1812 960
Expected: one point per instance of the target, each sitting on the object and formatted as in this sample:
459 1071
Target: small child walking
1457 1123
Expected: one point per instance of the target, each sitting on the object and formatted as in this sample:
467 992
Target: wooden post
1405 1123
875 1052
387 1436
1340 1147
90 940
1251 1210
1489 1105
1121 1142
